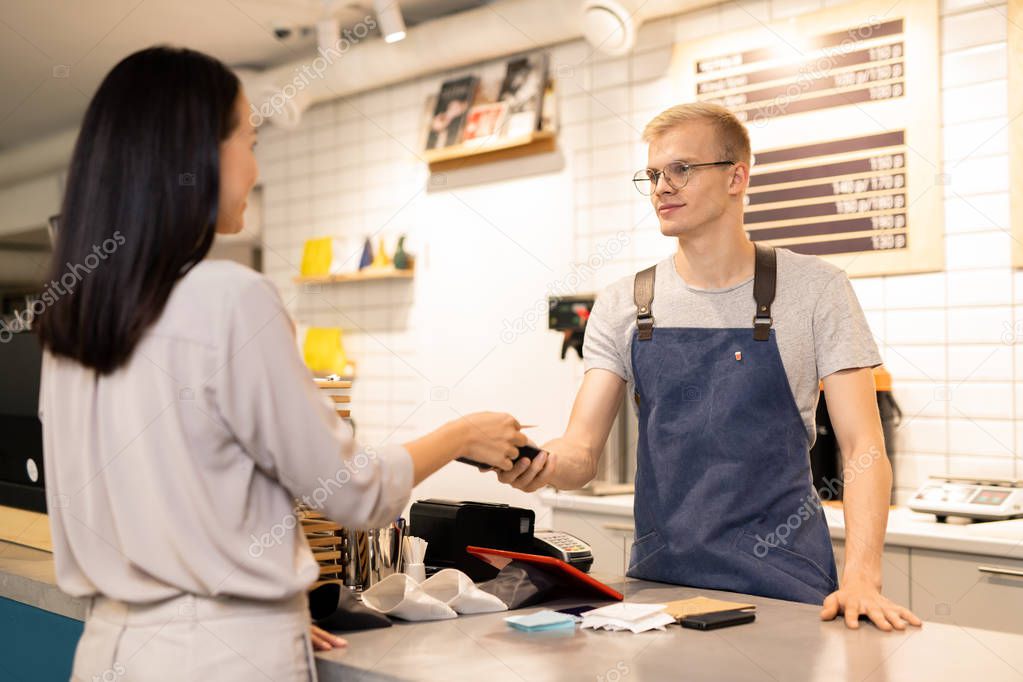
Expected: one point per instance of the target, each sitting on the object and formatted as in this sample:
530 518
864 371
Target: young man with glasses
722 347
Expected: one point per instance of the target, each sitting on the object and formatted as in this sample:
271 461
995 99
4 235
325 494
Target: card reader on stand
564 547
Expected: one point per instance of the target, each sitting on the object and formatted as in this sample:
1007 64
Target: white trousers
196 638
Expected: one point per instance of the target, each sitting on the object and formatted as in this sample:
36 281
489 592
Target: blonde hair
733 138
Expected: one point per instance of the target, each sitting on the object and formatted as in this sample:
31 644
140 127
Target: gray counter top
788 641
26 576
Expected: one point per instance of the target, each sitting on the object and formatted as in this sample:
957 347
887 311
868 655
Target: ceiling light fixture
392 23
610 26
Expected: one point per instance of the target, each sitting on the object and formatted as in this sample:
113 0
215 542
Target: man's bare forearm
573 458
576 463
867 476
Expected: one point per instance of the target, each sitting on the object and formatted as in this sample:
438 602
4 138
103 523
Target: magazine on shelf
522 91
485 123
450 112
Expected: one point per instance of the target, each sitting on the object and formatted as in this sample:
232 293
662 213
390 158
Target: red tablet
499 558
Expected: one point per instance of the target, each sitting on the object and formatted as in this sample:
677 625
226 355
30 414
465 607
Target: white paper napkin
400 596
629 616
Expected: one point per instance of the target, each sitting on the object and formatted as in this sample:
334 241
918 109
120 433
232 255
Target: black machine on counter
826 456
568 314
21 444
450 526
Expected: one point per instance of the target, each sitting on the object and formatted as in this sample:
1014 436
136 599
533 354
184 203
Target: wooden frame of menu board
1015 56
842 107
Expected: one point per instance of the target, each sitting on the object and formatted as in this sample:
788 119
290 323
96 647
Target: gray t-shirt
818 322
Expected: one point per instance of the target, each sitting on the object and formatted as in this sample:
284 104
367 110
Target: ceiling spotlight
392 23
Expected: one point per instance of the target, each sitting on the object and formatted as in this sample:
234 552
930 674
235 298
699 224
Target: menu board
846 142
821 206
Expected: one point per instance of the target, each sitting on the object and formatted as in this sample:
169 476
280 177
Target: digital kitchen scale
974 498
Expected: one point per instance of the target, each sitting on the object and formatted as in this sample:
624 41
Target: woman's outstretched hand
492 438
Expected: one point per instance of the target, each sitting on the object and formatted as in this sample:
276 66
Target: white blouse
177 473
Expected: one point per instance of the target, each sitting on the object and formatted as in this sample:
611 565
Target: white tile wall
490 251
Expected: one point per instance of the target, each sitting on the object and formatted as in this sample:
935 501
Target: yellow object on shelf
381 259
323 350
317 256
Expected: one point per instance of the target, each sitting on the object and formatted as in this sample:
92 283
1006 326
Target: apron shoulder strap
765 276
643 296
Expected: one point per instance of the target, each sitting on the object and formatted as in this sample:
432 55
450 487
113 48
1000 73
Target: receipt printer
449 527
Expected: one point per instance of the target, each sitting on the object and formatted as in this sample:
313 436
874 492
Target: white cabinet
968 589
895 567
609 535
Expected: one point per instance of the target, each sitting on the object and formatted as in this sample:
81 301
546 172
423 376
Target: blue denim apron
724 495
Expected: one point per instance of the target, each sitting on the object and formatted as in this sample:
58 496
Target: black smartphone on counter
718 619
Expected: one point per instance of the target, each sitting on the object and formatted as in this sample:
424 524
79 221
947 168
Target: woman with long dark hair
179 421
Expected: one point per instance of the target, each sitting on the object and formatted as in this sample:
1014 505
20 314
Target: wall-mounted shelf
473 153
360 276
339 392
343 383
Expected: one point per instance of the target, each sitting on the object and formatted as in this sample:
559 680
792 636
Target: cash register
449 526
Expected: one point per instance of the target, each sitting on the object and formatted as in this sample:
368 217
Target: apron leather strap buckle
645 326
765 276
643 296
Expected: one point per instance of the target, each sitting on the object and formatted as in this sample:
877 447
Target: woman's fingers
494 439
323 640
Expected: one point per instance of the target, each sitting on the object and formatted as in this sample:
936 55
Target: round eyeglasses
676 174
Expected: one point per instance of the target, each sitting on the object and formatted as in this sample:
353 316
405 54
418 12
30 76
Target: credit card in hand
524 451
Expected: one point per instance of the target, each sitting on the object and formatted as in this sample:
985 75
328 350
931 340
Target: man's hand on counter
325 641
861 597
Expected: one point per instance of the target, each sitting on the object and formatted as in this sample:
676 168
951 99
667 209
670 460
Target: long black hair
141 201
